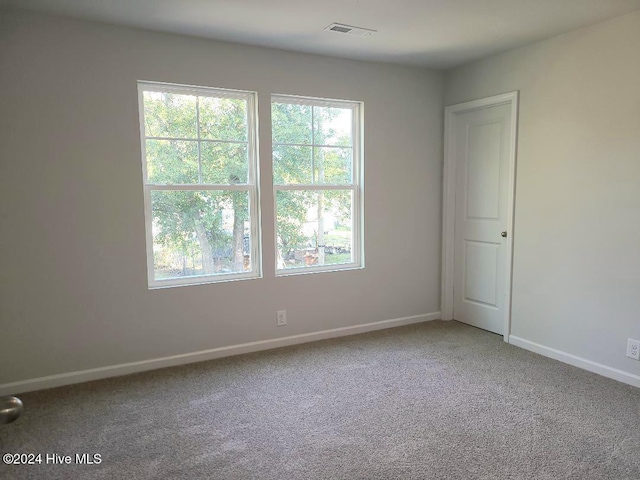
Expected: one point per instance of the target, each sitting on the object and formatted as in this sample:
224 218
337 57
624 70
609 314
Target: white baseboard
134 367
594 367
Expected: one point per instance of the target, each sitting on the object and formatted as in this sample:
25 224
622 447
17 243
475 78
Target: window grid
313 146
250 186
355 186
198 134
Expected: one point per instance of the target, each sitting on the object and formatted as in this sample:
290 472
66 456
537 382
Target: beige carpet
438 400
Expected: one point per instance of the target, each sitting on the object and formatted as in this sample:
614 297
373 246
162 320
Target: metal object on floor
10 409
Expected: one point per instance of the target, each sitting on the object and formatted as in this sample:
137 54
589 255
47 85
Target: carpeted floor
438 400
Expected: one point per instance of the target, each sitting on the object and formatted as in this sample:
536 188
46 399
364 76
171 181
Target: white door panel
480 272
482 146
483 171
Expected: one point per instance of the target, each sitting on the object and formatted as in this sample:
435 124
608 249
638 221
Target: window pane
292 165
291 123
333 165
314 228
224 162
172 161
223 119
200 233
169 115
333 126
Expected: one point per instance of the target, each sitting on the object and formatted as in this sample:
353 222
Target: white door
482 179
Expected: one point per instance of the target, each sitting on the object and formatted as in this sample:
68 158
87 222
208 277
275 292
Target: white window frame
356 185
252 185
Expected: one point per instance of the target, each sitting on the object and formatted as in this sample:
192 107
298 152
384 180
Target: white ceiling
431 33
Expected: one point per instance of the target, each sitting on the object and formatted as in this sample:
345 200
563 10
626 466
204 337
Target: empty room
354 239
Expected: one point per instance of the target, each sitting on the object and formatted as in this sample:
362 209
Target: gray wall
576 284
74 291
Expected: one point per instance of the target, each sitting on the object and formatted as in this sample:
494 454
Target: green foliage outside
203 140
311 145
189 227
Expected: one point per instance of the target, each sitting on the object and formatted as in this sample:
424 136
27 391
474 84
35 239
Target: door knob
504 234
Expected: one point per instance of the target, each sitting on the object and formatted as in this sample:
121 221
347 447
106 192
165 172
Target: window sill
204 280
324 269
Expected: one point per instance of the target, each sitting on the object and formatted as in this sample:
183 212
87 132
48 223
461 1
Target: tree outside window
316 177
199 164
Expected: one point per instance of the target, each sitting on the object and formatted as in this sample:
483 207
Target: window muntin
199 161
316 181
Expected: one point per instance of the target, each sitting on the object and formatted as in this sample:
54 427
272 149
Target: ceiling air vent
349 30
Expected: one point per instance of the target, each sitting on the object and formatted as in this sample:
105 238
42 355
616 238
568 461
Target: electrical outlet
633 349
281 318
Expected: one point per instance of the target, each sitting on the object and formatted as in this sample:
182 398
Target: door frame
449 200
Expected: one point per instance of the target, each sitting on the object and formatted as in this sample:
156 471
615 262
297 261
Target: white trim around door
449 200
